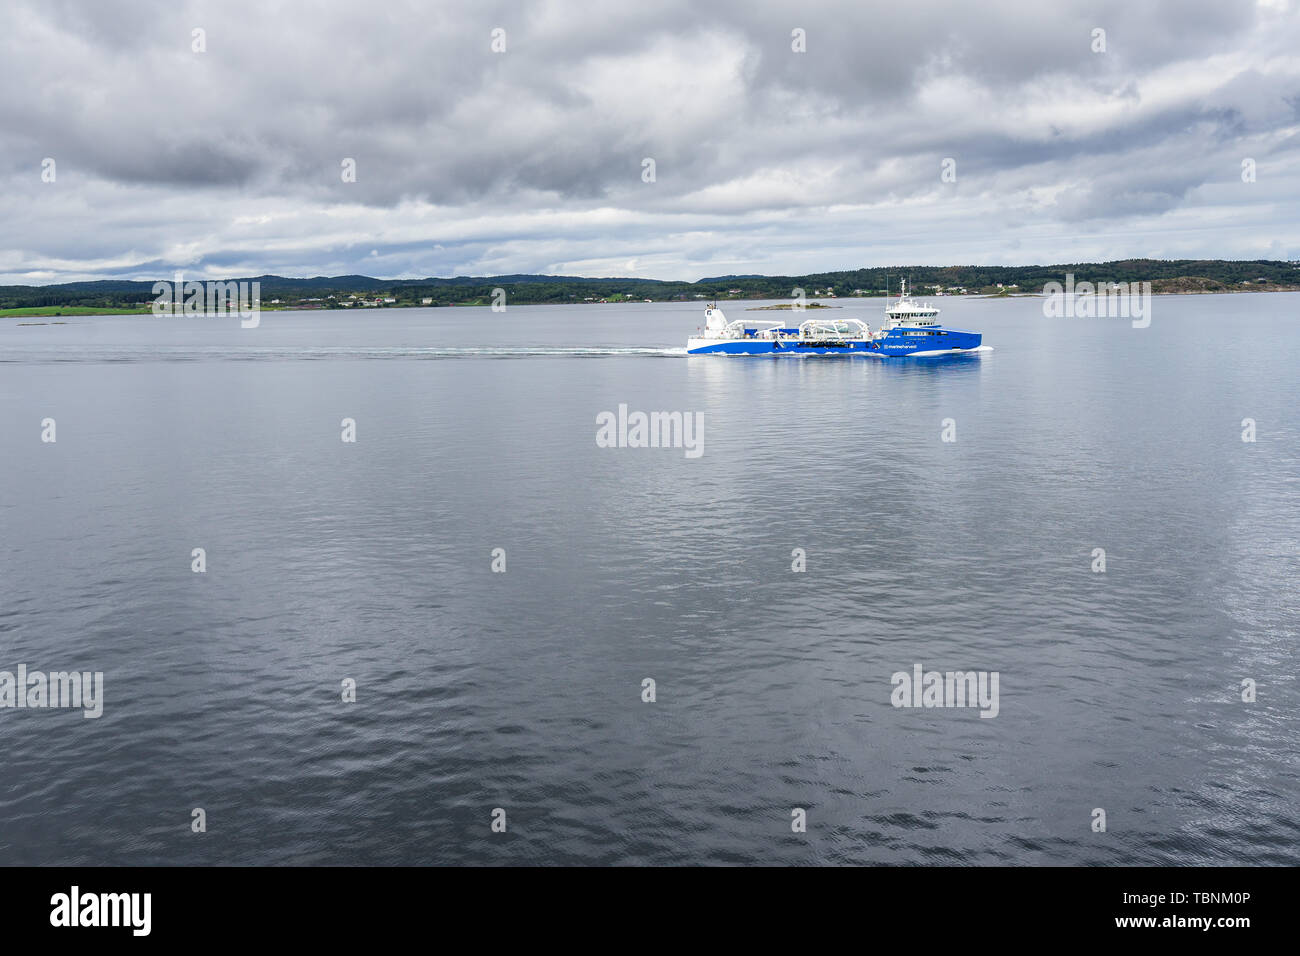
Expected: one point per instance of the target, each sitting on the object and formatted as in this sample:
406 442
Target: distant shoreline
1173 276
56 311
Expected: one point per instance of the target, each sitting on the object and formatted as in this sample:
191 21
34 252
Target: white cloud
228 162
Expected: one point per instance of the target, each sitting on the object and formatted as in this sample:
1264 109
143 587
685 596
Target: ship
909 330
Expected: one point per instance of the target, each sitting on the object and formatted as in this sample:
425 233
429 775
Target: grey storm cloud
766 159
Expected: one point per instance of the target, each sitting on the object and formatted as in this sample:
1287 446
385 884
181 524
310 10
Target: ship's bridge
909 313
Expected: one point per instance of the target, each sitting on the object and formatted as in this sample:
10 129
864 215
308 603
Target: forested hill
1178 275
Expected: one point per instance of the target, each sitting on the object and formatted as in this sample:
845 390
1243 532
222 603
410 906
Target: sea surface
372 561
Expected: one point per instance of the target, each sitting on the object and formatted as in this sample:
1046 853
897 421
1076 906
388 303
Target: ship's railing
812 329
834 329
738 330
732 330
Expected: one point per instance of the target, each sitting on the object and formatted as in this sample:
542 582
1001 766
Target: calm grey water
477 690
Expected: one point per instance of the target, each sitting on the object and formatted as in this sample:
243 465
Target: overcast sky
473 162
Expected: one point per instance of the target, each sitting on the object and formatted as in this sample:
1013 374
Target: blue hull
899 343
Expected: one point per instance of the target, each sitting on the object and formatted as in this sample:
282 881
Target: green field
70 310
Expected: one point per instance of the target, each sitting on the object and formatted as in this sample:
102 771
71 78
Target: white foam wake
166 353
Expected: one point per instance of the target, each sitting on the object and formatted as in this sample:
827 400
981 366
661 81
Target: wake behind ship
910 330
